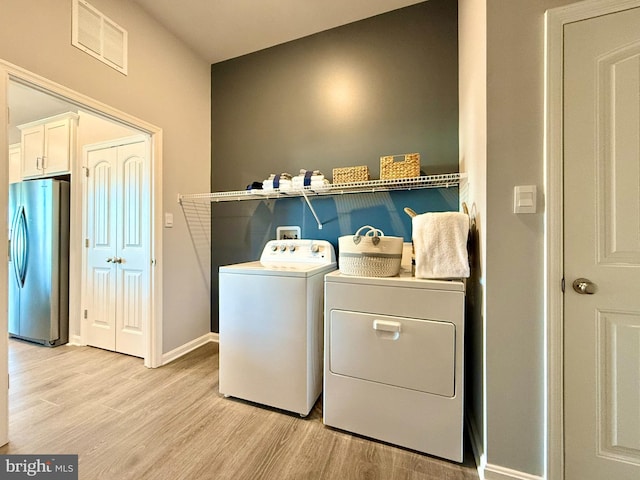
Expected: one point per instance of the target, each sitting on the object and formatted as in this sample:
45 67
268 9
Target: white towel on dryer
440 244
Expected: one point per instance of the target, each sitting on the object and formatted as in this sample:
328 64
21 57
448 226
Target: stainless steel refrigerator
39 261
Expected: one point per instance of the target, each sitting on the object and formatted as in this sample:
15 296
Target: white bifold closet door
118 258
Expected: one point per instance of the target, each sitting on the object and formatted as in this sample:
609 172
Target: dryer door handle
386 326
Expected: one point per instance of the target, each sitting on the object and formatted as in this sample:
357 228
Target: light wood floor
129 422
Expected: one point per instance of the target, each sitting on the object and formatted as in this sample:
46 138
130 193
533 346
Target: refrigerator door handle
19 246
13 241
12 235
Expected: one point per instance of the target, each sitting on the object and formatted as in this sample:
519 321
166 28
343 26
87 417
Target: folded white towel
300 184
283 176
315 186
314 172
320 183
314 178
440 244
307 177
285 185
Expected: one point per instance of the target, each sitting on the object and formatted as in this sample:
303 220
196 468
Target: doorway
95 112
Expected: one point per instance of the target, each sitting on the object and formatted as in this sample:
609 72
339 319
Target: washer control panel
288 252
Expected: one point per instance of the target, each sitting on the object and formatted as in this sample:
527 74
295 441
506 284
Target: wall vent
99 36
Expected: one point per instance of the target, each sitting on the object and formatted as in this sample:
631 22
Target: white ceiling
222 29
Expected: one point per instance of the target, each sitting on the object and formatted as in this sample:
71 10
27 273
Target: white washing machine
393 366
271 317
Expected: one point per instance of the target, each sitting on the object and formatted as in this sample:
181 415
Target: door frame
153 330
555 20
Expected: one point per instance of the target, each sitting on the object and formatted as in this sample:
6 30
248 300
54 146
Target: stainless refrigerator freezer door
39 302
39 261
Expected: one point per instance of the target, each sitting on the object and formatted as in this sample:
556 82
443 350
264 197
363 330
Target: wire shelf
429 181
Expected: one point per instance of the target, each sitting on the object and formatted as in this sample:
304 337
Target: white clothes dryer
271 317
394 360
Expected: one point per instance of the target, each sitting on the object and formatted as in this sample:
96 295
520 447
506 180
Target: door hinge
562 284
86 314
86 243
86 171
153 262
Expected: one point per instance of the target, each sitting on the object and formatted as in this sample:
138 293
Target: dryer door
402 352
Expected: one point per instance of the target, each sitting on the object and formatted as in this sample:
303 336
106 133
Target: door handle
584 286
19 246
387 330
114 260
387 326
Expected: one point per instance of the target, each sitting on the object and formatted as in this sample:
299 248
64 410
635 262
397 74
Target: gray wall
344 97
513 154
168 85
515 368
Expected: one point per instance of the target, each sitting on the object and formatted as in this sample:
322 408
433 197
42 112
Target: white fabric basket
371 254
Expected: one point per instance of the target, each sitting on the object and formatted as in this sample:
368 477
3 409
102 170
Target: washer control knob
315 248
283 248
274 247
292 248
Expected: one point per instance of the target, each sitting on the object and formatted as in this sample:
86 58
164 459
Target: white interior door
118 259
602 246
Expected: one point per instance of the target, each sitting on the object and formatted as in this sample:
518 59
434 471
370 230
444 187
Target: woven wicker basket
351 174
369 266
408 167
369 254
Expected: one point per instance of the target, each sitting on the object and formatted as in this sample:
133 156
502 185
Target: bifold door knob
584 286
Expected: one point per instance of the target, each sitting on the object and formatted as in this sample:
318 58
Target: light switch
524 199
168 220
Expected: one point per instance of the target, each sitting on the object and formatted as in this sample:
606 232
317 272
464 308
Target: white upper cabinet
14 163
48 146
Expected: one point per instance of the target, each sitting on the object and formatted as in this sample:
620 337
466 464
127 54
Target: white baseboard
75 340
487 471
189 346
496 472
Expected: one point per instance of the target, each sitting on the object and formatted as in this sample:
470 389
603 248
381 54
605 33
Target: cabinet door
57 147
32 151
14 163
